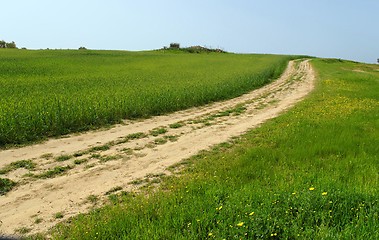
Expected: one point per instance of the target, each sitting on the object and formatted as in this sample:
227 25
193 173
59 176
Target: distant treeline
193 49
4 44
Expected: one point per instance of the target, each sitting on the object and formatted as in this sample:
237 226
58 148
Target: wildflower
273 234
294 193
311 188
324 193
240 224
210 234
219 208
251 214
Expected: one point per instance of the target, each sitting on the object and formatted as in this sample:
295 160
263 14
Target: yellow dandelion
210 234
219 208
240 224
311 188
251 214
294 193
324 193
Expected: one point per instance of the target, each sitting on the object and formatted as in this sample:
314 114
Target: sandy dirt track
99 161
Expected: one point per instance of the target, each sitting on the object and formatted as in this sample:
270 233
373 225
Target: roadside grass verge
312 173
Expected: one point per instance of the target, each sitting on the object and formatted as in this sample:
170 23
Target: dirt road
69 174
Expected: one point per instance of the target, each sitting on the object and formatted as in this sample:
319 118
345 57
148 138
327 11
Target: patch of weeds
273 101
100 148
96 155
93 199
132 136
137 135
178 166
222 147
221 114
114 189
27 164
202 120
80 161
207 124
137 181
158 131
53 172
6 185
46 156
151 175
176 125
58 215
238 110
38 220
62 158
23 230
80 153
89 166
261 106
28 175
127 151
160 141
172 138
110 158
118 198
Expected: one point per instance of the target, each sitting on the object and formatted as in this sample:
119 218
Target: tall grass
312 173
49 93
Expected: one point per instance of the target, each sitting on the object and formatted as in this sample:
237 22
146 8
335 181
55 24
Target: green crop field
312 173
50 93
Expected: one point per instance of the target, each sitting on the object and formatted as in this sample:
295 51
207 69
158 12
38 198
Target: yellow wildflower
251 214
210 234
240 224
324 193
311 188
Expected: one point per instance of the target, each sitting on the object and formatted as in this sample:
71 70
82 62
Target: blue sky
345 29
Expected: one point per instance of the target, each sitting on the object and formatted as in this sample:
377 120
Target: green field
312 173
49 93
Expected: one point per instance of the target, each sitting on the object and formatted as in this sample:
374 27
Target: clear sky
347 29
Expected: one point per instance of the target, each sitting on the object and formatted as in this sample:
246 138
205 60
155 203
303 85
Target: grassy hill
312 173
50 93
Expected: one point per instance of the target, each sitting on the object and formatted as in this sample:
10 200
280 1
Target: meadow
312 173
47 93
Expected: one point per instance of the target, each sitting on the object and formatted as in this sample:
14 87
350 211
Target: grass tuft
6 185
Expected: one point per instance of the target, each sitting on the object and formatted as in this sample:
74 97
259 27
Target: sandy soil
124 160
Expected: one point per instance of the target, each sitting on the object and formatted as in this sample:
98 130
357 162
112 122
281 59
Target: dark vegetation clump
4 44
6 185
193 49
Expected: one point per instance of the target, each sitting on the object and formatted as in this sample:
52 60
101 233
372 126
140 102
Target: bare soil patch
72 175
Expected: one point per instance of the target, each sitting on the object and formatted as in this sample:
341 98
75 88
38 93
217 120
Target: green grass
6 185
51 173
312 173
51 93
176 125
27 164
63 158
158 131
